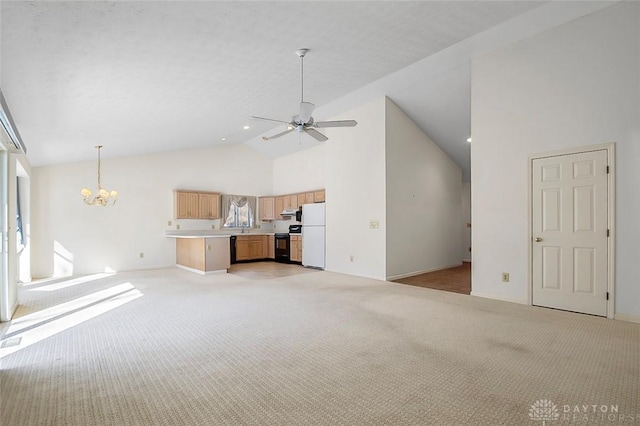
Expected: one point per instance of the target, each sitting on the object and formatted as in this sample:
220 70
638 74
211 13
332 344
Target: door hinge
608 233
607 169
607 295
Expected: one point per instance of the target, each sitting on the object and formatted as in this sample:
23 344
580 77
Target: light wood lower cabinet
252 247
265 246
272 247
255 249
242 248
295 248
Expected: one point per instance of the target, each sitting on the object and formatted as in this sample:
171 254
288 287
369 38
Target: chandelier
104 197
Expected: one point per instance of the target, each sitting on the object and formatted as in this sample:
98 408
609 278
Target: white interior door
570 250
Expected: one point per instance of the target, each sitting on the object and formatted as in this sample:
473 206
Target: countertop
211 234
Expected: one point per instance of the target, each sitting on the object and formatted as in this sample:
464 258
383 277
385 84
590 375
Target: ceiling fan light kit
304 122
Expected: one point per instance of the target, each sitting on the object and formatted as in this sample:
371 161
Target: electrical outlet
351 258
505 277
141 255
168 223
213 226
178 226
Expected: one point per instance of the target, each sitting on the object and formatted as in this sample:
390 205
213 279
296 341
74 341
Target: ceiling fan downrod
301 53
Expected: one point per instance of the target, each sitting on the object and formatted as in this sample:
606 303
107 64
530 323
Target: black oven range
282 250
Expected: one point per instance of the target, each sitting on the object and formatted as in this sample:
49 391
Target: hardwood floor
457 280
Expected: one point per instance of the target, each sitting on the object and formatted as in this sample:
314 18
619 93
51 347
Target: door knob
537 239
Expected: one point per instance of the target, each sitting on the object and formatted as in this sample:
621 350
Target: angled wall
423 199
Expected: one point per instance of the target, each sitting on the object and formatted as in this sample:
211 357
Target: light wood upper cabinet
187 205
302 199
279 207
267 208
318 196
294 201
308 198
287 202
209 205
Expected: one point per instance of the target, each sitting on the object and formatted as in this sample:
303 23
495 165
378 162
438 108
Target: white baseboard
413 274
627 318
501 298
466 260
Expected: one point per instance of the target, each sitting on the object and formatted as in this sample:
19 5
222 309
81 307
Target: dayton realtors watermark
545 410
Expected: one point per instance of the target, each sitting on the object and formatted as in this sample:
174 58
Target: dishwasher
232 249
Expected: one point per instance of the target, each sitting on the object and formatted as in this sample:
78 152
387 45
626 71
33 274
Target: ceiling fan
304 122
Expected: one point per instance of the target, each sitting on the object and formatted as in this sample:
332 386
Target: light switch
374 224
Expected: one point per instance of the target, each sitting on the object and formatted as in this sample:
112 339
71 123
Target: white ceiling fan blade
338 123
306 109
269 119
268 138
316 134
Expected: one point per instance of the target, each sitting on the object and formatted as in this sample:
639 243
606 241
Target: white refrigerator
313 253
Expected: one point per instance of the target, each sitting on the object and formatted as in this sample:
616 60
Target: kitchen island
202 253
208 252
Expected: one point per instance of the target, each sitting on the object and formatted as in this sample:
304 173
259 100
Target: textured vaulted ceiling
145 76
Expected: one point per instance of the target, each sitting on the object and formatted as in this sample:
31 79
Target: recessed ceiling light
469 140
223 139
245 127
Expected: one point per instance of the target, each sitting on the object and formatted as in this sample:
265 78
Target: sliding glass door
4 236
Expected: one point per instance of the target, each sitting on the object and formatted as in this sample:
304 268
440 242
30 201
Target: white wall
298 172
465 254
71 237
423 193
575 85
301 171
355 193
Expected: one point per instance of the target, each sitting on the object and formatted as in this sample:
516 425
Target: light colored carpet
311 348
